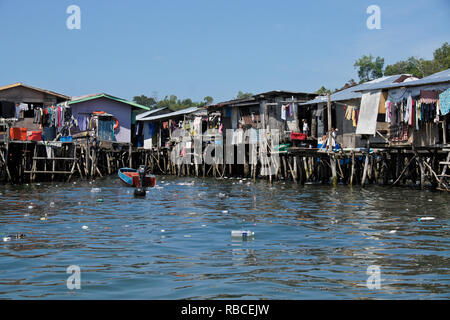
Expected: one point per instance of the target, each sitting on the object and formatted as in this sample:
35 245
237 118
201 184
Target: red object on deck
18 134
298 136
149 180
34 136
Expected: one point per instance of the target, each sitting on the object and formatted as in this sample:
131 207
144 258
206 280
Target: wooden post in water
6 157
333 169
366 164
130 152
87 155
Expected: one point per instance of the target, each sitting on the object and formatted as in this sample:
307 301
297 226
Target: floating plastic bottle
425 219
242 234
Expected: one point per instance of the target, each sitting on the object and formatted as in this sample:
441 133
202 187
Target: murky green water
311 242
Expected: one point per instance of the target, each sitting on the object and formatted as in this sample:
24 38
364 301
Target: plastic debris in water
43 218
99 200
5 239
52 204
244 234
162 230
96 190
85 227
222 195
30 207
425 219
393 231
225 211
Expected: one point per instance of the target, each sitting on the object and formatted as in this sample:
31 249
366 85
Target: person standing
305 127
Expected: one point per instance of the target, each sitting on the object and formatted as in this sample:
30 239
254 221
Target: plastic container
34 135
66 139
18 134
242 234
298 136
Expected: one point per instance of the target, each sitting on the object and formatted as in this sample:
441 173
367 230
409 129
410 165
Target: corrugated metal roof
107 96
354 92
255 99
148 113
439 77
20 84
172 114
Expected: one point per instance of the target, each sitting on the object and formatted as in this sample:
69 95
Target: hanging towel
444 102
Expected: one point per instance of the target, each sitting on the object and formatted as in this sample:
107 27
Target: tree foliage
172 102
418 67
243 95
323 91
368 68
145 101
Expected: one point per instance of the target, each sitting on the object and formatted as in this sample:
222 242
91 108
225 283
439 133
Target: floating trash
426 219
222 195
5 239
187 235
244 234
99 200
96 190
30 207
392 231
52 204
84 227
203 225
43 218
162 230
225 211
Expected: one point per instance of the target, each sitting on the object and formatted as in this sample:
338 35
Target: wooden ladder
444 184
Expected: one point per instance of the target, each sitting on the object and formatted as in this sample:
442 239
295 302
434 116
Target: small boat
130 178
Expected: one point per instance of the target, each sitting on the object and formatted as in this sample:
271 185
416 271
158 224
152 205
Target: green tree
208 100
145 101
323 91
368 68
442 57
417 67
244 95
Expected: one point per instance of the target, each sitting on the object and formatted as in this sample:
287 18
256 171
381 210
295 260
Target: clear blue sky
195 48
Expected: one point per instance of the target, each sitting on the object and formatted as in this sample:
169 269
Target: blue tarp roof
439 77
352 92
